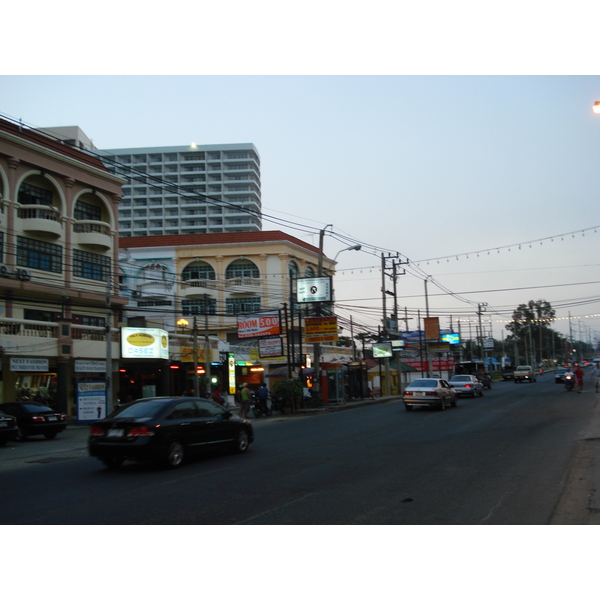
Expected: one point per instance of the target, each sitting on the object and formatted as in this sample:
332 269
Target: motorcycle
569 382
260 407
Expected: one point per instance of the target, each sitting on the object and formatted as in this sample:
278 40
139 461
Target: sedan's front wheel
242 442
175 454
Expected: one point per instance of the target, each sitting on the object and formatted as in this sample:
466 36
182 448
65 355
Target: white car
429 392
466 385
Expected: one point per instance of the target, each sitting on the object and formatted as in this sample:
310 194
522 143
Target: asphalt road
500 459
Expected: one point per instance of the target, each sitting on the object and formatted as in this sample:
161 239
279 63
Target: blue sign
91 401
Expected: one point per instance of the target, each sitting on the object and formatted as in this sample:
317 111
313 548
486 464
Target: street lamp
356 247
183 324
596 107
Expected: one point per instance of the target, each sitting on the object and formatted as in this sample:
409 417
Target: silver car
466 385
429 392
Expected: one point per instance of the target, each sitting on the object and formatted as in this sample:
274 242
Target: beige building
214 278
58 284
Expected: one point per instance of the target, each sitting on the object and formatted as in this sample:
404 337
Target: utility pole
317 345
109 382
481 308
207 352
386 331
195 348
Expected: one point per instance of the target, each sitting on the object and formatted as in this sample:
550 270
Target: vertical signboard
432 328
231 372
91 401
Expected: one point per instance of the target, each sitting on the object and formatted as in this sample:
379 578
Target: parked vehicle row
8 428
35 418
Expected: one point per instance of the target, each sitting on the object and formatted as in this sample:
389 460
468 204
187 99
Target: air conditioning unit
136 294
4 272
23 274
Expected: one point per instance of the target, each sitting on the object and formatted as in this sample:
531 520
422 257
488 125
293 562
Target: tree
530 329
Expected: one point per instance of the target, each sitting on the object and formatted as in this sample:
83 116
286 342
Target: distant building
188 189
58 265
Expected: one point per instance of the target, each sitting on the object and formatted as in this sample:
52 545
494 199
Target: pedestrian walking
244 401
579 379
595 375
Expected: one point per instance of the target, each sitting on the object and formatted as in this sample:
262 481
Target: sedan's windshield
423 383
142 409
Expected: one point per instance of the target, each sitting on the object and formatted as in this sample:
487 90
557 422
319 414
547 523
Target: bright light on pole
596 107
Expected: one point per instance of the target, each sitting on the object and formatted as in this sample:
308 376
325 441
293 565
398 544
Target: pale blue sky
427 166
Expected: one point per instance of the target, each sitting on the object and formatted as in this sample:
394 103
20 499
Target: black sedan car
34 418
8 428
167 429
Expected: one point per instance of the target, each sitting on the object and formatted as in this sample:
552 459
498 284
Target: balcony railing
93 233
92 227
35 211
246 283
20 327
41 219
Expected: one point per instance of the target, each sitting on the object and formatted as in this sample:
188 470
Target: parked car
429 392
559 375
8 428
466 385
167 430
34 418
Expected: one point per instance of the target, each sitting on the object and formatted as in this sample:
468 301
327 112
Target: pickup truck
524 373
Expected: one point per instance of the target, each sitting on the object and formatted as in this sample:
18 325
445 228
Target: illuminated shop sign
140 342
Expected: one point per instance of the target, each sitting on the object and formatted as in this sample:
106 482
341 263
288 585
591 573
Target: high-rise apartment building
187 189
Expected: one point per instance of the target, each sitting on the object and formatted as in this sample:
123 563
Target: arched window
242 268
88 208
198 270
293 270
309 272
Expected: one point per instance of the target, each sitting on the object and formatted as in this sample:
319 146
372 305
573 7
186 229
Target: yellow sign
320 329
187 354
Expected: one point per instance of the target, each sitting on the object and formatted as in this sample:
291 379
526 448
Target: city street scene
302 303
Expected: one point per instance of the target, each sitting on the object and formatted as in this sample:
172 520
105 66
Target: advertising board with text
259 325
320 329
270 347
313 289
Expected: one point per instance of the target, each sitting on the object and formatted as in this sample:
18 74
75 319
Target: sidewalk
580 501
326 408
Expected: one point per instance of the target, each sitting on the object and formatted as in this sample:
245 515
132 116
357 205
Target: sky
494 177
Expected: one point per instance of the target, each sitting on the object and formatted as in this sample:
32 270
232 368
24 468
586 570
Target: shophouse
58 284
196 287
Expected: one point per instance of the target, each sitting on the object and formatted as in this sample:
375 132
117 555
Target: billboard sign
259 325
451 338
320 329
313 289
91 401
382 350
270 347
142 342
432 328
